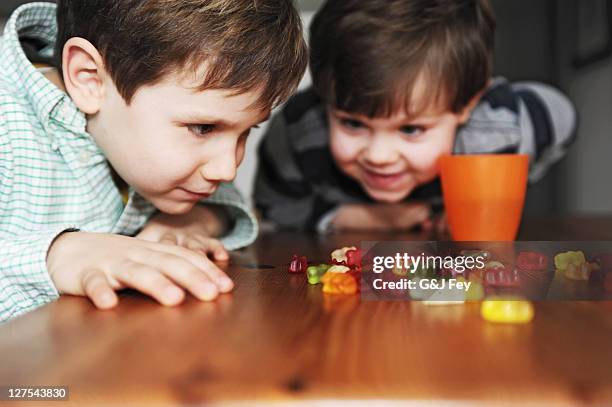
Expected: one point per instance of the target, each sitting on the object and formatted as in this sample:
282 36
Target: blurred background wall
566 43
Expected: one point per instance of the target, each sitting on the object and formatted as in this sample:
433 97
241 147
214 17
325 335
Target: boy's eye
201 129
352 124
411 130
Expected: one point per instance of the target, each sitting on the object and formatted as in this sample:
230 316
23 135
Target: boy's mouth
193 195
385 181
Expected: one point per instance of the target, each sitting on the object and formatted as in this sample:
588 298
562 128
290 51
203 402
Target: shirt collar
50 104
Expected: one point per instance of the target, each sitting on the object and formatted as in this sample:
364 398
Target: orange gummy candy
339 283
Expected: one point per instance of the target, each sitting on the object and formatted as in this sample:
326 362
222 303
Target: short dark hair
245 44
367 55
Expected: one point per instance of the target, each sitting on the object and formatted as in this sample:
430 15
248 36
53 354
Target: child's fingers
186 274
97 288
202 263
150 281
209 246
416 214
168 238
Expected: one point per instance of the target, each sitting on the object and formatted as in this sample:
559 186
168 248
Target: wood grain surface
278 339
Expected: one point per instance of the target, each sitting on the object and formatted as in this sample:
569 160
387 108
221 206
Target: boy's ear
84 74
467 110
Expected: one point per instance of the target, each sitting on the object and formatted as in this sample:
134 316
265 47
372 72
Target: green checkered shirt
54 177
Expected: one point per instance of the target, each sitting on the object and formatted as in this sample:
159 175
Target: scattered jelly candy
572 257
494 264
475 292
511 311
605 262
298 264
445 296
347 256
339 283
400 271
336 268
315 273
353 259
338 256
532 261
580 272
426 272
501 277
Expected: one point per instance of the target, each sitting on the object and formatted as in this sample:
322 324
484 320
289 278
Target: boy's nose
381 151
222 168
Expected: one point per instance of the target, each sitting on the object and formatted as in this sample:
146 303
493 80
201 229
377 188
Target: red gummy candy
353 259
532 261
605 261
298 264
501 278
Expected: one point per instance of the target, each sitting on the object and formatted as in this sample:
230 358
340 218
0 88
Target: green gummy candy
315 273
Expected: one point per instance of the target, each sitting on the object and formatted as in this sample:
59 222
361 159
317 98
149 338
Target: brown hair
244 44
366 56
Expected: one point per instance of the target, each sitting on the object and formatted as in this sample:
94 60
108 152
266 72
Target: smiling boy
152 98
397 84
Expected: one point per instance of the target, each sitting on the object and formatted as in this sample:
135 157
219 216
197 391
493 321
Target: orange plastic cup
484 195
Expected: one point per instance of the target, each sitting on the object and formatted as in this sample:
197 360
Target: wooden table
276 338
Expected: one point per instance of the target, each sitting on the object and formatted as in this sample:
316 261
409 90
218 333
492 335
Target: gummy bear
400 271
339 283
298 264
338 256
605 262
507 311
494 265
315 273
532 261
501 277
353 259
336 268
562 260
580 272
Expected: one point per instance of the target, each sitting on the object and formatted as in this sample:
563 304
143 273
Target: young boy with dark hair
397 84
154 98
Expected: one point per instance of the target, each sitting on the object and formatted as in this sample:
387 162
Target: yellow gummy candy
507 311
563 259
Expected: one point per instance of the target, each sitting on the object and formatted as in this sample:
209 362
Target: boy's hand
97 264
381 217
191 230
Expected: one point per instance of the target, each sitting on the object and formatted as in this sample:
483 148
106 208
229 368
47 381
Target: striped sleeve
525 117
25 283
282 194
548 125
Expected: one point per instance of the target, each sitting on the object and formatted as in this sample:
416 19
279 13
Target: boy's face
390 157
175 144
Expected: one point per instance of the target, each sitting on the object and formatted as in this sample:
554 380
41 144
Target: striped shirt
298 185
53 177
